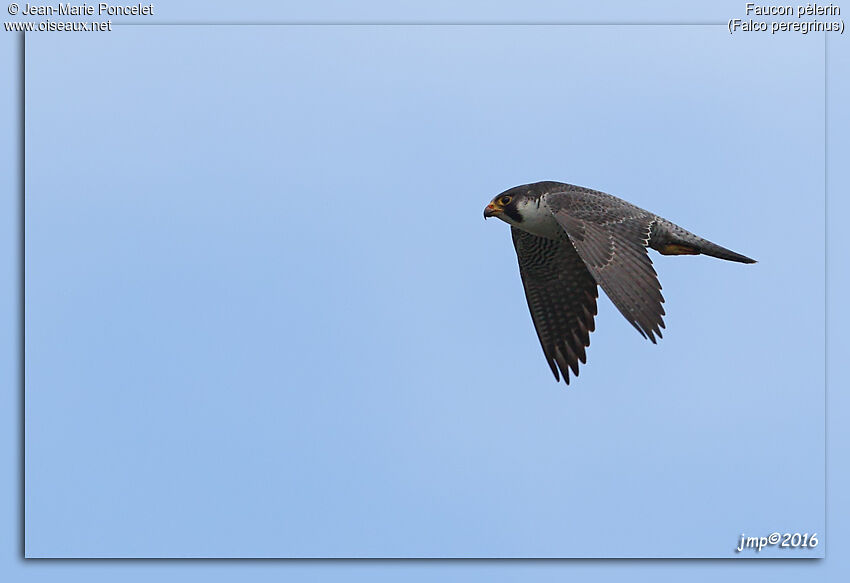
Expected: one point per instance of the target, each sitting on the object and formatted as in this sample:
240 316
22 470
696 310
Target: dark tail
709 248
670 239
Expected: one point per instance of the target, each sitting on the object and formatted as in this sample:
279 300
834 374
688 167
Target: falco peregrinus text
568 240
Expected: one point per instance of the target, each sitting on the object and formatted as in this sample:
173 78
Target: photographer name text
99 9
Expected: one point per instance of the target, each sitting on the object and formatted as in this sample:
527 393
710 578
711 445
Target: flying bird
568 241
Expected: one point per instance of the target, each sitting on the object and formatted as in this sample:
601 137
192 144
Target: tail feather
709 248
670 239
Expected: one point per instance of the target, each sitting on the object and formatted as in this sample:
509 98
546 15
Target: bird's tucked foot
676 249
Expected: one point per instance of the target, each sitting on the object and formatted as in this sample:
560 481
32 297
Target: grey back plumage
611 236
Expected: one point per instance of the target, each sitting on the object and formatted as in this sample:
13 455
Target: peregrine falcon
568 240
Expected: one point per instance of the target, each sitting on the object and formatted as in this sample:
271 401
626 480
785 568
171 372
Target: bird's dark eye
505 200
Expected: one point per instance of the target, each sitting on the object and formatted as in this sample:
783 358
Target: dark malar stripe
513 213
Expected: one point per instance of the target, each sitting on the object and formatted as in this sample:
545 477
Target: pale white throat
537 218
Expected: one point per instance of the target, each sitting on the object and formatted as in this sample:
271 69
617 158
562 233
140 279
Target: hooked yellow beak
491 210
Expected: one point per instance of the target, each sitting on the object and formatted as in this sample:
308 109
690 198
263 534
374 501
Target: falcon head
523 207
507 206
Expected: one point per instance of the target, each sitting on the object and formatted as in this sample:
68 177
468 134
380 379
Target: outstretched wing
561 296
611 236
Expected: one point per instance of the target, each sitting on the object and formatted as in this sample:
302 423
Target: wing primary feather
611 239
561 294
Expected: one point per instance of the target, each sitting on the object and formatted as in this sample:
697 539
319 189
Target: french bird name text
804 25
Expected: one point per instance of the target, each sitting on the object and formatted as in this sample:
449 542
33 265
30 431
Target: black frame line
21 270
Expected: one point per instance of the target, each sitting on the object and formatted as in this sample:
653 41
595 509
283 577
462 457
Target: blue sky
265 318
